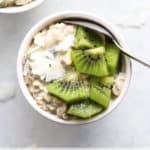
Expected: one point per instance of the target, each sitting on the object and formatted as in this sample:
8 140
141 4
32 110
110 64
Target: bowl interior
19 9
126 66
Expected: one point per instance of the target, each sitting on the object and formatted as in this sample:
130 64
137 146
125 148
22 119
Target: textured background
21 126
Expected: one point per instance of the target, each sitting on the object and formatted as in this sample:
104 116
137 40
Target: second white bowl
19 9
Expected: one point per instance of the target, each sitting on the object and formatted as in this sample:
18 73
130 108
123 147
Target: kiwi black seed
91 61
84 109
86 38
112 56
100 92
70 88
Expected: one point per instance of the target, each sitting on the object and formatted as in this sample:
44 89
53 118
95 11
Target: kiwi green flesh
106 81
100 94
86 38
84 109
112 56
85 63
70 92
95 51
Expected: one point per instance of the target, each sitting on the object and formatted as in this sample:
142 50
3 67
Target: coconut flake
42 55
135 19
7 91
56 71
118 84
44 65
58 38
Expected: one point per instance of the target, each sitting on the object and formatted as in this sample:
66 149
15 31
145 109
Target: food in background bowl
72 72
8 3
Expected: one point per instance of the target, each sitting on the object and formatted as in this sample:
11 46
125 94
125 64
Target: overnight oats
9 3
72 72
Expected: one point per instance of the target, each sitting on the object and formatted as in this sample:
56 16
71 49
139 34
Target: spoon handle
133 56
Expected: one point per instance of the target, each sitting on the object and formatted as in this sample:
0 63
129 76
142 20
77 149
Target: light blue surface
127 126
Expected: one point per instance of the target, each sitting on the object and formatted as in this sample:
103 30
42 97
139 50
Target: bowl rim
20 9
40 25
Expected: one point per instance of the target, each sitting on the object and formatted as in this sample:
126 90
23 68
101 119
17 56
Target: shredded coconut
58 38
44 65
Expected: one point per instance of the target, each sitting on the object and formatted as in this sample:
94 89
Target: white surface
135 19
128 125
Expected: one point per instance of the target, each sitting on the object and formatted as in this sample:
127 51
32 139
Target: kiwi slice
107 81
84 109
70 88
86 38
91 61
112 57
100 93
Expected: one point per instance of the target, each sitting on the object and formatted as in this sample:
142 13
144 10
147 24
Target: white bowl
19 9
50 20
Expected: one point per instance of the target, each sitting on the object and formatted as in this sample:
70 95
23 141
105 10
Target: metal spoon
101 29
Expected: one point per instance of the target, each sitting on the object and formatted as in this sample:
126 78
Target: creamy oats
72 72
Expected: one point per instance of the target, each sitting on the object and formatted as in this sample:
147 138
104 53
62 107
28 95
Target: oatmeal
8 3
72 72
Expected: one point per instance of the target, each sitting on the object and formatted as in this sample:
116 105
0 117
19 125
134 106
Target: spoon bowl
101 29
